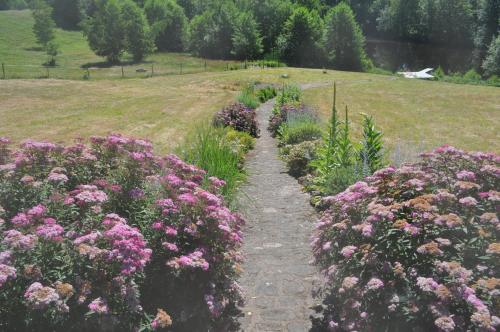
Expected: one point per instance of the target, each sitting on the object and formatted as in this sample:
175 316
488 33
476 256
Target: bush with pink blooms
415 248
108 235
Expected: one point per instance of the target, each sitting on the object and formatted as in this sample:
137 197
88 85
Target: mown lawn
414 115
418 114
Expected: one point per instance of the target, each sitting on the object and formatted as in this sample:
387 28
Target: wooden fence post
205 65
181 68
123 74
3 70
152 70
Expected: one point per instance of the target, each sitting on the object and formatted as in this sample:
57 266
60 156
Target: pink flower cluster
427 232
92 218
127 247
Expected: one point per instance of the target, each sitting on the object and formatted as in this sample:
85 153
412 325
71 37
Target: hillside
415 115
23 58
165 108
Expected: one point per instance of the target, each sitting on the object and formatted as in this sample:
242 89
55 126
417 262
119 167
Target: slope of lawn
163 109
23 58
414 115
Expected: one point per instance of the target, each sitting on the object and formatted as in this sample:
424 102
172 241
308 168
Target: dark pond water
393 55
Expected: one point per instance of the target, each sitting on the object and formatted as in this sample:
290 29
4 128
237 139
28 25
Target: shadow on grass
107 64
34 48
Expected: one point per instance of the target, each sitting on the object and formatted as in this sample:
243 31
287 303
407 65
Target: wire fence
144 70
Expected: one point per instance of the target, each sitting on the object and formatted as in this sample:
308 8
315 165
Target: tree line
300 32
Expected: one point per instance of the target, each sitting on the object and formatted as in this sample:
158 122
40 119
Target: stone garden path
277 277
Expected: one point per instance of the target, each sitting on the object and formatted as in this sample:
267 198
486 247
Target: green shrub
289 93
267 93
439 73
300 128
208 148
243 141
340 178
248 98
472 75
299 156
494 80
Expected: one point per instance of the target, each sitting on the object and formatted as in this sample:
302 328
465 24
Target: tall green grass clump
248 98
209 148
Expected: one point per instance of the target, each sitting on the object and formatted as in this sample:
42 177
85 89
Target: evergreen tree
105 30
491 64
138 40
343 40
299 43
43 28
247 42
169 24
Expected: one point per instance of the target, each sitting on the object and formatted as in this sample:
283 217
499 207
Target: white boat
423 74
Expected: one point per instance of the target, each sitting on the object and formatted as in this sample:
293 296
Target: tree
138 39
247 42
169 24
271 16
211 32
66 13
44 25
491 64
300 38
52 50
4 4
452 22
343 40
105 30
193 7
399 18
488 18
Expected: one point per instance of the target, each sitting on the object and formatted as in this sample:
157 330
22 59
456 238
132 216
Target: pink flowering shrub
415 248
109 234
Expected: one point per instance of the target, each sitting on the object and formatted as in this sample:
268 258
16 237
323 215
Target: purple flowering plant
110 233
239 117
414 248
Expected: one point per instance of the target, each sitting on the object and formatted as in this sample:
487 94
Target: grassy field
414 115
23 58
417 113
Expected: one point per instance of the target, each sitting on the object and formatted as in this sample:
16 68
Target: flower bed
109 235
414 248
